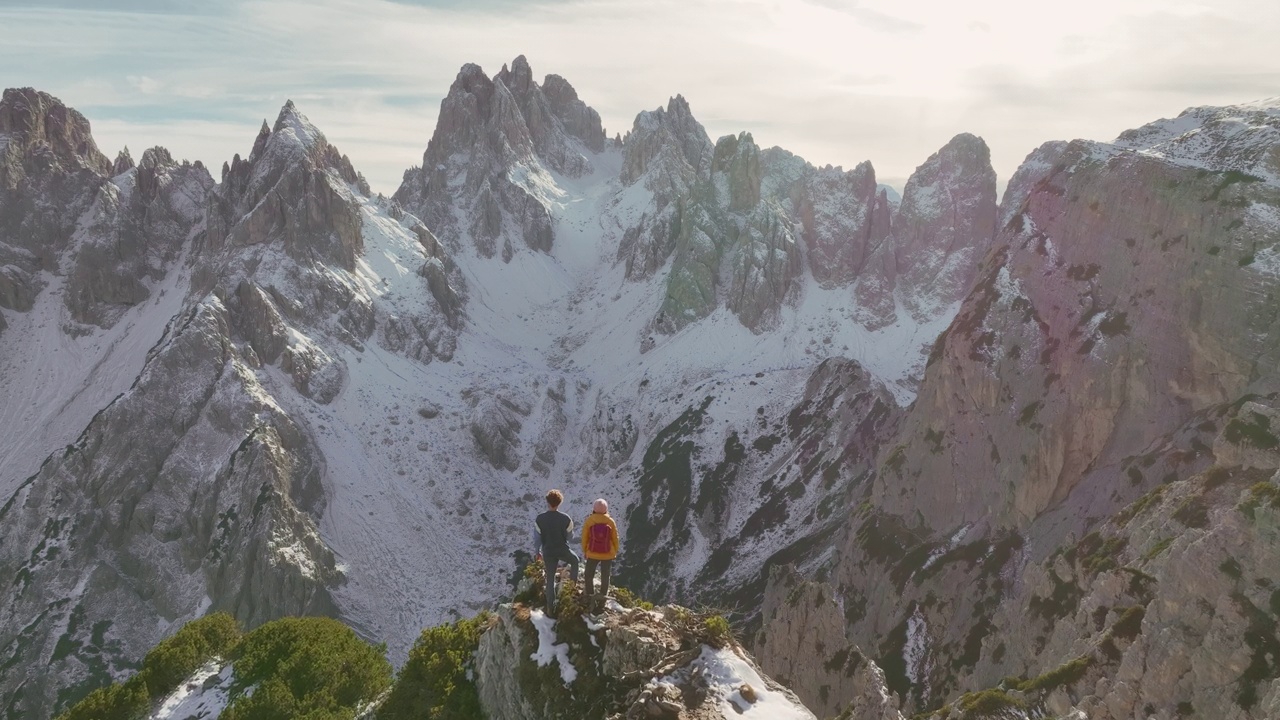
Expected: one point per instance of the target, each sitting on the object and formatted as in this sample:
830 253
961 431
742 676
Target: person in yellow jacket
600 546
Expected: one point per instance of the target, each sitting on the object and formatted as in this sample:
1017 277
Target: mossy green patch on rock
1252 430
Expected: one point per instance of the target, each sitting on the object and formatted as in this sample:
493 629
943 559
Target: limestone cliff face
736 244
845 219
129 532
1108 349
50 170
803 643
1095 327
665 151
112 229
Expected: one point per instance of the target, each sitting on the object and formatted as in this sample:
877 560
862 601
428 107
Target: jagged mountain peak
35 122
495 143
519 78
294 164
670 138
296 127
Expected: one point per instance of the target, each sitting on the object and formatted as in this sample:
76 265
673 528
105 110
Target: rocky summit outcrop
803 641
484 174
621 664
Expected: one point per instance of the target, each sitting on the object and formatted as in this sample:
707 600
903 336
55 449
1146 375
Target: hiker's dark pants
552 559
606 566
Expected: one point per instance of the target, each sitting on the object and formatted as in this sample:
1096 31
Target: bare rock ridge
664 150
726 214
139 224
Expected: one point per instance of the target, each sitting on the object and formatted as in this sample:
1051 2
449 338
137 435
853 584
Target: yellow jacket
596 519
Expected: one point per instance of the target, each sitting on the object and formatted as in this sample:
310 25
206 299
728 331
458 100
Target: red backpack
600 539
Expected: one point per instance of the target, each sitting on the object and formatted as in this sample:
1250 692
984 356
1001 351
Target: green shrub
1130 623
1256 432
1263 493
535 594
716 631
988 702
434 683
1137 506
1158 548
169 663
1068 673
121 701
628 599
176 657
314 668
1193 512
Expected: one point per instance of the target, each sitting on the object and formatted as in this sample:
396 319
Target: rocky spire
260 142
48 162
845 218
123 163
940 233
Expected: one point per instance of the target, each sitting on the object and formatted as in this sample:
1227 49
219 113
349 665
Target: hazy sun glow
836 81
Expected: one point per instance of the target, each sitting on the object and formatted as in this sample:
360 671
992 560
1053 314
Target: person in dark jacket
552 530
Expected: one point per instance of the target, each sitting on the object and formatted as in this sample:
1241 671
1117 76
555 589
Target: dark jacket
551 532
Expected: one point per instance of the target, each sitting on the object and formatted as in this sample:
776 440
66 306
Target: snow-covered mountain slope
409 398
117 284
1235 137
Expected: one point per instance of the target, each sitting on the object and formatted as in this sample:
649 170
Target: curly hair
554 498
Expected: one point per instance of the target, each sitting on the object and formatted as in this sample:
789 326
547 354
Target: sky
835 81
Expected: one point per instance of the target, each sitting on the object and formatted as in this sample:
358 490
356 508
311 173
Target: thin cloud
872 18
835 81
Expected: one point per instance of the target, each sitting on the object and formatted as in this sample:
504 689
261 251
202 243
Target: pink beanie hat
601 506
